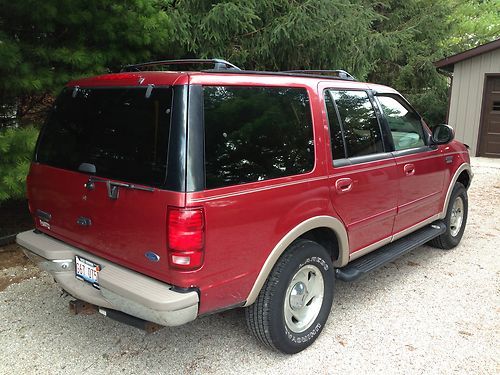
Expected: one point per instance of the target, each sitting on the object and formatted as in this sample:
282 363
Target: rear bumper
120 288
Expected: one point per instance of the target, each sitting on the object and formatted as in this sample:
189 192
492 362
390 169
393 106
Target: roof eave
448 62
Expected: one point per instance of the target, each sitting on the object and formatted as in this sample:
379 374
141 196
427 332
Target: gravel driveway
429 312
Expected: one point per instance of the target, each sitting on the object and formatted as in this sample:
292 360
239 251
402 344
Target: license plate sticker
87 271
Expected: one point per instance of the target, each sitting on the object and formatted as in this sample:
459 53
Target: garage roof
448 62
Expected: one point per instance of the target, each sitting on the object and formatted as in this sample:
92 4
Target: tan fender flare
315 222
463 167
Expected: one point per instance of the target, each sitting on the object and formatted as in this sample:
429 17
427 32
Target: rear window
122 131
256 133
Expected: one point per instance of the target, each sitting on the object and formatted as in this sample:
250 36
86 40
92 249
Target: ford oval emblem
153 257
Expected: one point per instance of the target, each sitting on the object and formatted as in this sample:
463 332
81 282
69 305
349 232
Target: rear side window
359 123
336 135
256 133
405 124
122 131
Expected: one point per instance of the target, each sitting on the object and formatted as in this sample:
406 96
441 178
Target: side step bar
389 252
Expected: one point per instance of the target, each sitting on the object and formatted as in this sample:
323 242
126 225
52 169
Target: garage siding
467 95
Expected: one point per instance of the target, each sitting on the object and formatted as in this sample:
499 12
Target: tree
279 34
410 40
44 44
16 148
411 35
472 22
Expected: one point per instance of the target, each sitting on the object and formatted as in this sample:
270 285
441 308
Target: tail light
186 237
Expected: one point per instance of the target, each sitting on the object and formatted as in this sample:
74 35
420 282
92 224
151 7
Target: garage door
489 137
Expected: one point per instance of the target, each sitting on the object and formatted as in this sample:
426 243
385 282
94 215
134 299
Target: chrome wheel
457 216
304 298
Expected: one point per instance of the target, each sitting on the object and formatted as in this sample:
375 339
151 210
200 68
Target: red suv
167 195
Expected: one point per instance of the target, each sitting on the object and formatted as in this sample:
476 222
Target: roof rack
342 74
219 64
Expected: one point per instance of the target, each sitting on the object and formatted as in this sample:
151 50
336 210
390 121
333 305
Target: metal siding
454 98
467 95
462 101
474 93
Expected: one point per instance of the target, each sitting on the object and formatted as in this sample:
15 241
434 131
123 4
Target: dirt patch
6 281
12 256
15 267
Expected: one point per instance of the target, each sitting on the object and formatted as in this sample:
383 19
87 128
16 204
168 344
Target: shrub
16 151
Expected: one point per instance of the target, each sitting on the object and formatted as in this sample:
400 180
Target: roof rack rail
219 64
342 74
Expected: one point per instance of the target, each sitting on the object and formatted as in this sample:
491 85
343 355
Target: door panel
420 168
369 205
421 179
362 175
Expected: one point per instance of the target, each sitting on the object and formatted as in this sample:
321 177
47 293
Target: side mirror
442 134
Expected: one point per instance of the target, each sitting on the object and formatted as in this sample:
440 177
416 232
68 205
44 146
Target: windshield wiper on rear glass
112 186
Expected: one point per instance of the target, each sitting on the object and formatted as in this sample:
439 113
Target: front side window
256 133
404 122
359 122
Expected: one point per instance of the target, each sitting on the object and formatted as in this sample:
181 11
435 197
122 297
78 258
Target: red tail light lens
186 237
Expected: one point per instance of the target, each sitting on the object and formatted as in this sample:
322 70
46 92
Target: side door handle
343 185
409 169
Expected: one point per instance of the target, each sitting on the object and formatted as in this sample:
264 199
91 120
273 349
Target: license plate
87 271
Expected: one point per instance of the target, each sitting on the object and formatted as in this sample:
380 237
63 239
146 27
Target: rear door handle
409 169
343 185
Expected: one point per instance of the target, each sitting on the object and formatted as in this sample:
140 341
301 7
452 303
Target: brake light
186 237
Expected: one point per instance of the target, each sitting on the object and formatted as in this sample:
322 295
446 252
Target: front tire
294 303
455 220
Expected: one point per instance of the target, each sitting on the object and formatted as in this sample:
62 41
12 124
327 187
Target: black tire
266 317
448 239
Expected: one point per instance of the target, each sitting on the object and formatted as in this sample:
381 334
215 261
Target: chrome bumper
120 288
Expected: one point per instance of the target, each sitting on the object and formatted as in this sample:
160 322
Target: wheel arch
324 229
463 175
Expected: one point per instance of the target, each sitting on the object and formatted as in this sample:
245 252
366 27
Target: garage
474 101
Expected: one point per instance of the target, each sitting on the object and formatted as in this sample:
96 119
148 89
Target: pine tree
44 44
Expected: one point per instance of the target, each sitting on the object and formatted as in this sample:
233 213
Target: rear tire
295 302
455 220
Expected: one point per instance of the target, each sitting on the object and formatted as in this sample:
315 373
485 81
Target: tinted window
360 125
256 133
406 127
336 137
120 131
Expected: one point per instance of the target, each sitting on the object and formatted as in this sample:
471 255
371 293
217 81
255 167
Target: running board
386 254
